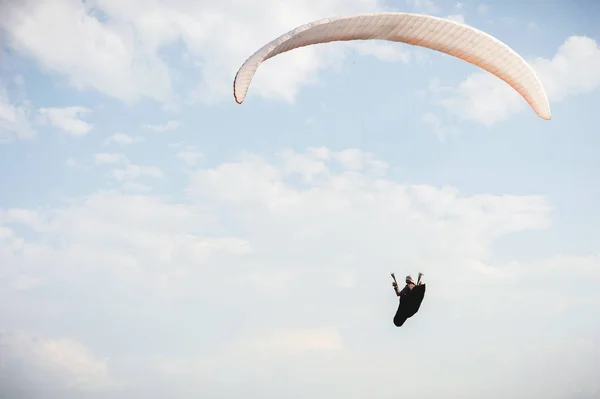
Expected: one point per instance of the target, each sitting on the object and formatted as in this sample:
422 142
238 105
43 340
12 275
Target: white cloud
128 172
123 139
190 157
313 164
65 360
132 172
295 341
67 119
21 216
457 18
355 159
486 99
124 170
136 187
109 158
187 153
108 232
14 119
75 164
573 69
74 359
64 37
26 282
254 181
97 52
167 127
437 125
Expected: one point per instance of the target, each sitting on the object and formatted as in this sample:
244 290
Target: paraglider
440 34
410 298
444 35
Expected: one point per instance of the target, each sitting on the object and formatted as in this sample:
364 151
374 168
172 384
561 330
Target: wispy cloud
67 119
167 127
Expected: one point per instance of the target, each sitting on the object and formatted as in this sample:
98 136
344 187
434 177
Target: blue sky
158 239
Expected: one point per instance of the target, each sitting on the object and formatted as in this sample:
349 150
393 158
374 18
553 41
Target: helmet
409 279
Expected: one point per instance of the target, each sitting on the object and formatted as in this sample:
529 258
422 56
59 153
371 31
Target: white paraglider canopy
444 35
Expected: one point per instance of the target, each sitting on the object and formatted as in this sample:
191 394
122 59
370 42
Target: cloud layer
290 262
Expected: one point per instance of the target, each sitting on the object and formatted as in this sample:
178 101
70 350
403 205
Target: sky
158 240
